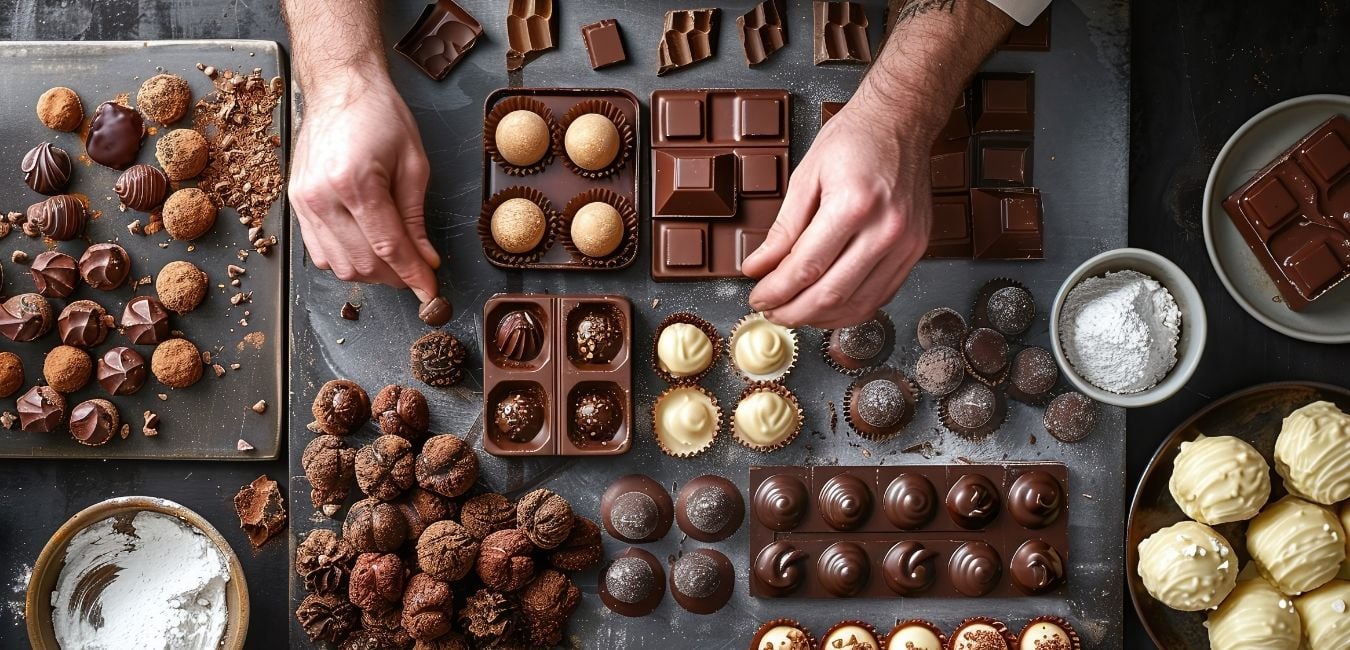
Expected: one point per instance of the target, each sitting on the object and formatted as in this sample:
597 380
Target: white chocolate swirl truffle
1187 566
764 418
686 420
1312 453
1296 544
762 350
1255 616
683 350
1326 616
1218 480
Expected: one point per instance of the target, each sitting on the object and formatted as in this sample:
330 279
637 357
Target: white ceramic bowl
1193 324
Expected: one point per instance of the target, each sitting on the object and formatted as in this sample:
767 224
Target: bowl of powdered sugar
1128 328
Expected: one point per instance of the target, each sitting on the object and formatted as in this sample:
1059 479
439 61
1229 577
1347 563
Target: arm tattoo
914 8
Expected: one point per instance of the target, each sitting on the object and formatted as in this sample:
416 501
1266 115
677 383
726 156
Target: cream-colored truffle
1296 544
839 638
1187 566
1255 616
522 137
591 141
686 420
764 419
783 637
1325 613
762 350
518 225
597 229
1220 479
1312 453
913 637
683 350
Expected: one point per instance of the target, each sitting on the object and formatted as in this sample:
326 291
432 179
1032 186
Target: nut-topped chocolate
142 187
519 336
46 169
145 321
121 371
115 134
55 274
25 317
596 337
520 414
105 266
597 416
83 324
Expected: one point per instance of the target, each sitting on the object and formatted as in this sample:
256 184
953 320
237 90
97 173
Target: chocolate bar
828 110
604 43
531 29
557 375
1030 38
720 171
1004 101
762 31
919 530
443 34
1295 214
686 38
841 33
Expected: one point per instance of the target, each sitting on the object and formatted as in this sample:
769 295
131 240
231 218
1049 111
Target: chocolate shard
531 29
686 39
762 31
829 110
695 183
841 33
1006 224
604 43
440 38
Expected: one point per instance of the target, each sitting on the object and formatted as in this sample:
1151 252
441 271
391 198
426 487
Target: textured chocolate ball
519 415
329 466
447 465
487 513
437 359
384 468
60 109
105 266
940 370
1071 417
401 411
518 225
67 368
428 605
545 518
597 229
591 141
324 561
188 214
505 560
55 274
176 363
447 551
121 371
164 98
522 137
547 602
597 337
142 187
597 416
581 550
1008 309
375 526
377 581
340 407
182 154
181 286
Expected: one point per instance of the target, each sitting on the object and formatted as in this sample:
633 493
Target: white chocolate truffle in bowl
1312 453
1297 545
1187 566
1255 616
1218 480
1326 616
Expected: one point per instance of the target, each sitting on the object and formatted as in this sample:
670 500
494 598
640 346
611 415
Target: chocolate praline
1035 499
778 569
340 407
782 634
880 403
115 134
986 353
519 415
843 569
1005 306
597 337
845 502
941 326
145 321
1051 632
61 217
1071 417
701 580
1036 567
519 336
83 324
1032 376
861 346
973 410
981 633
55 274
780 502
633 584
25 317
437 359
41 409
910 501
940 370
46 169
973 501
909 568
94 422
596 417
142 187
975 568
105 266
914 634
709 508
636 509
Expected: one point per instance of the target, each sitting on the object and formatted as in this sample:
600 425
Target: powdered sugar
1120 331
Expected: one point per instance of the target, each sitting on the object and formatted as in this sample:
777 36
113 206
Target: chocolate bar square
1006 224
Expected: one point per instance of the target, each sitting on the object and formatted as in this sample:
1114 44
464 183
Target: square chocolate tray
556 375
811 509
559 184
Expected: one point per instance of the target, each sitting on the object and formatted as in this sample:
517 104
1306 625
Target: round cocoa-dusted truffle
488 617
447 551
54 274
1032 375
376 583
176 363
940 370
324 560
505 560
520 414
327 617
46 169
973 409
941 326
487 513
438 359
633 583
142 187
373 526
105 266
60 109
340 407
1005 306
182 154
518 225
1071 417
83 324
522 137
581 550
428 605
41 409
860 346
11 373
67 368
547 602
422 508
164 98
597 337
519 336
545 517
188 214
181 286
384 468
592 141
447 465
597 229
25 317
401 411
94 422
121 371
144 321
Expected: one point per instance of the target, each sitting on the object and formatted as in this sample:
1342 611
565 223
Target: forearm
335 43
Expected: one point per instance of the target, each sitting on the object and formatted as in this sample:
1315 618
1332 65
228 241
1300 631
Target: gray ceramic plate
1253 146
1253 414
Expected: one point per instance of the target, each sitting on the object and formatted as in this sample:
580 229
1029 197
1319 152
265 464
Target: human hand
854 222
358 182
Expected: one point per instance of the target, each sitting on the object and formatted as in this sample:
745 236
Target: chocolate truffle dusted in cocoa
1036 567
428 605
975 568
986 353
597 337
401 411
422 508
115 134
636 509
447 465
701 580
488 618
327 617
860 346
41 409
880 403
164 98
438 359
144 321
384 468
633 583
1005 306
329 466
324 560
1071 417
376 583
105 266
447 551
181 286
176 363
25 317
46 169
340 407
94 422
60 109
582 549
61 217
973 409
83 324
941 326
597 229
182 154
505 560
188 214
142 187
709 508
11 373
973 501
546 602
67 368
54 274
487 513
519 336
597 416
518 225
545 517
121 371
375 526
1032 376
940 370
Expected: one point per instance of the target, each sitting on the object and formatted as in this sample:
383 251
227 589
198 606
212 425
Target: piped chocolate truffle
1071 417
860 346
188 214
181 286
597 229
973 501
518 225
597 416
164 98
522 137
636 509
709 508
41 409
519 336
597 337
25 317
941 326
1032 376
176 363
46 169
940 370
60 109
83 324
121 371
591 141
142 187
144 321
55 274
94 422
115 134
1036 567
182 154
519 415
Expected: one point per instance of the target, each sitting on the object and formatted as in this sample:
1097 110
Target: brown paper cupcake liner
779 375
991 622
1075 643
627 137
773 623
1000 415
942 638
885 354
992 381
907 386
494 252
786 393
980 314
717 425
627 249
718 347
501 110
844 623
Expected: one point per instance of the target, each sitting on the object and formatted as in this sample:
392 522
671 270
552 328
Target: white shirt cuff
1022 11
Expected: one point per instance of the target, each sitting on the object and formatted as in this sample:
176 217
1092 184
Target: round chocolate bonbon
636 509
910 501
701 580
845 502
597 337
975 568
843 569
597 416
1036 567
909 568
633 584
779 568
520 415
519 336
709 508
780 502
973 501
1035 499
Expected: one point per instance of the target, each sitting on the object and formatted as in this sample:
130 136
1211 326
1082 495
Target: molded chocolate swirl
519 336
909 568
142 187
909 502
780 502
845 502
975 568
46 169
843 569
973 501
778 568
1035 499
1036 567
60 217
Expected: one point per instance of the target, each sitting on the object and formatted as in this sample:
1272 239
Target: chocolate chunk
440 38
519 336
761 31
841 33
115 135
438 359
121 371
105 266
604 43
1004 101
25 317
145 321
1006 224
531 30
83 324
142 187
436 312
261 509
41 409
61 217
46 169
54 274
686 39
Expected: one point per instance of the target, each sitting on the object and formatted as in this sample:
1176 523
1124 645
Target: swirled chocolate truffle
843 569
46 169
54 274
633 584
340 407
11 373
779 567
975 568
374 526
142 187
67 368
94 422
59 217
121 371
25 317
176 363
1032 376
437 359
376 583
701 580
60 109
973 501
910 501
519 336
636 509
447 551
1071 417
545 518
940 370
941 326
709 508
519 415
597 337
909 568
447 465
181 286
780 502
384 468
327 617
324 560
1036 567
105 266
582 549
505 560
115 134
1035 499
144 321
1006 307
845 502
597 416
182 154
41 409
188 214
164 98
401 411
83 324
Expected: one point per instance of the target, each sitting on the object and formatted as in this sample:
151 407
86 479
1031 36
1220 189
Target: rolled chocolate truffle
683 350
597 229
636 509
1071 417
843 569
1254 615
845 502
909 568
880 403
986 354
973 501
518 225
975 568
973 410
519 336
60 217
115 134
941 326
55 274
142 187
83 324
1035 499
701 580
780 502
46 169
25 317
1312 453
145 321
633 584
94 422
105 266
1187 566
1219 480
779 568
340 407
1296 544
940 370
121 371
522 137
910 501
1006 307
545 517
597 416
709 508
591 141
520 415
41 409
1036 567
860 346
1032 375
437 359
597 337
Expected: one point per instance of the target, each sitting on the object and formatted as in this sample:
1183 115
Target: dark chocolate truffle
633 584
597 416
384 468
636 509
843 569
54 274
46 169
975 568
880 403
779 568
1071 417
845 502
422 508
121 371
582 549
940 370
986 354
974 410
860 346
1032 375
941 326
41 409
701 580
401 411
505 560
428 605
447 465
1035 499
597 337
94 422
1006 307
105 266
447 551
519 415
487 513
340 407
115 134
780 502
438 359
142 187
973 501
60 217
376 583
83 324
488 618
373 526
545 518
909 568
144 321
709 508
910 501
25 317
519 336
1036 567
